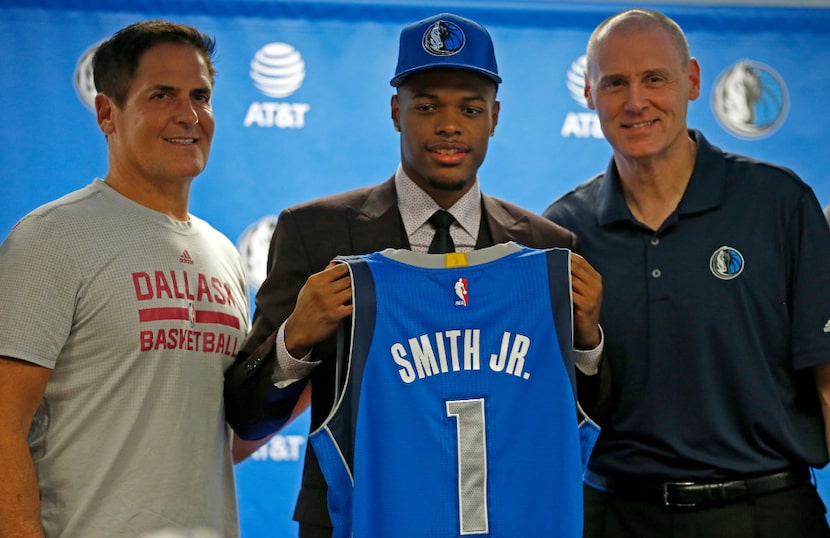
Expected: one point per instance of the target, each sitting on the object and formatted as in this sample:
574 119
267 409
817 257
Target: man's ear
589 100
494 117
105 111
396 112
694 79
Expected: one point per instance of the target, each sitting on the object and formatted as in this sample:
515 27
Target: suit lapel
377 224
503 226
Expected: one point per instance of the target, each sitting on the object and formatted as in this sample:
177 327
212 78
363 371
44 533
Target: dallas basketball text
188 300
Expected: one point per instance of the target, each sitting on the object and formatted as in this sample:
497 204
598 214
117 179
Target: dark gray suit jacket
305 240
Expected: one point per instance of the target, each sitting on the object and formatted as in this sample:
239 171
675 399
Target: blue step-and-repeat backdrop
302 109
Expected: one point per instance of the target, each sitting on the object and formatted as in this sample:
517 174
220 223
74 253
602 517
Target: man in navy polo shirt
716 300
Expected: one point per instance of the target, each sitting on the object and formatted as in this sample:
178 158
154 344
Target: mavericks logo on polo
750 100
726 263
277 70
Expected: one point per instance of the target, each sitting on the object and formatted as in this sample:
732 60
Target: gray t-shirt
138 316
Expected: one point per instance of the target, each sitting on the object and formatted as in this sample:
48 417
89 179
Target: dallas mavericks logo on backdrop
750 100
443 39
726 263
82 78
277 70
253 247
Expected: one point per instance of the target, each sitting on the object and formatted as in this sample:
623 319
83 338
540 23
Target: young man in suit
446 111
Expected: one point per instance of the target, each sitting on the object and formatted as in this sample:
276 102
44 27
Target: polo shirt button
655 241
656 273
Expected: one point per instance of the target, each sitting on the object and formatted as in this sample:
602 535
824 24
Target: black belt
695 494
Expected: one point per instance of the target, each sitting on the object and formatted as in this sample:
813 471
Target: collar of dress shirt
416 206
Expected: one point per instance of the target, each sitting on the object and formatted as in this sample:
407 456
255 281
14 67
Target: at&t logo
281 448
277 70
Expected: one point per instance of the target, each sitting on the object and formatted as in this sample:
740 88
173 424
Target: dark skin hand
323 302
587 297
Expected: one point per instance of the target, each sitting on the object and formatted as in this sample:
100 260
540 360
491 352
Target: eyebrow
428 95
646 72
168 88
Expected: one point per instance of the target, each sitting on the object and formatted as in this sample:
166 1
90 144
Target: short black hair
116 59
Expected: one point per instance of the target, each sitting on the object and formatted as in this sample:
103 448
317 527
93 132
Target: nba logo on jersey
461 292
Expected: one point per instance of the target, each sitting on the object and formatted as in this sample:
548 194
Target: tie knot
441 219
441 241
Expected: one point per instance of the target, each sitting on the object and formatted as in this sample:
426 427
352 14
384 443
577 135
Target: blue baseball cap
445 40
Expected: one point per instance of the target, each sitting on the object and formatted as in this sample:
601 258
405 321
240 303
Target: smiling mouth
183 141
640 124
448 151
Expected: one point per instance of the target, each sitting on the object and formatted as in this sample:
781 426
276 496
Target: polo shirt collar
704 191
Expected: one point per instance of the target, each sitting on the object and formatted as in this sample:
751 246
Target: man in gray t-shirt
120 313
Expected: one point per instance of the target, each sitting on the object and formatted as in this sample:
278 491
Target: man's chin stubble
442 186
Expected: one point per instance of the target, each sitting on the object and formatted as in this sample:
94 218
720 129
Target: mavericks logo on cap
443 38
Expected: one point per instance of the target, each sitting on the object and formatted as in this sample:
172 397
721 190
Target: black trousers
793 513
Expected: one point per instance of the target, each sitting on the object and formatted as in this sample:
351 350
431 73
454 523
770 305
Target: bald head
635 21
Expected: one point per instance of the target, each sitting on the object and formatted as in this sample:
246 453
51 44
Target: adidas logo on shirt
185 258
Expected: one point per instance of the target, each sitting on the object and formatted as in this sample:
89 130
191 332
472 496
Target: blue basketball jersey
457 415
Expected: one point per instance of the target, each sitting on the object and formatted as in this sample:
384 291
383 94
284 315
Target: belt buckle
668 503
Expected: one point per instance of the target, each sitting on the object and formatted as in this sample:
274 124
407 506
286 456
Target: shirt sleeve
587 360
288 370
39 283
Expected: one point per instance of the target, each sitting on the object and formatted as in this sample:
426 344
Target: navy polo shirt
711 322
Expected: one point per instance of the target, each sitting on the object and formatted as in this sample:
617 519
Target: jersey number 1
472 464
